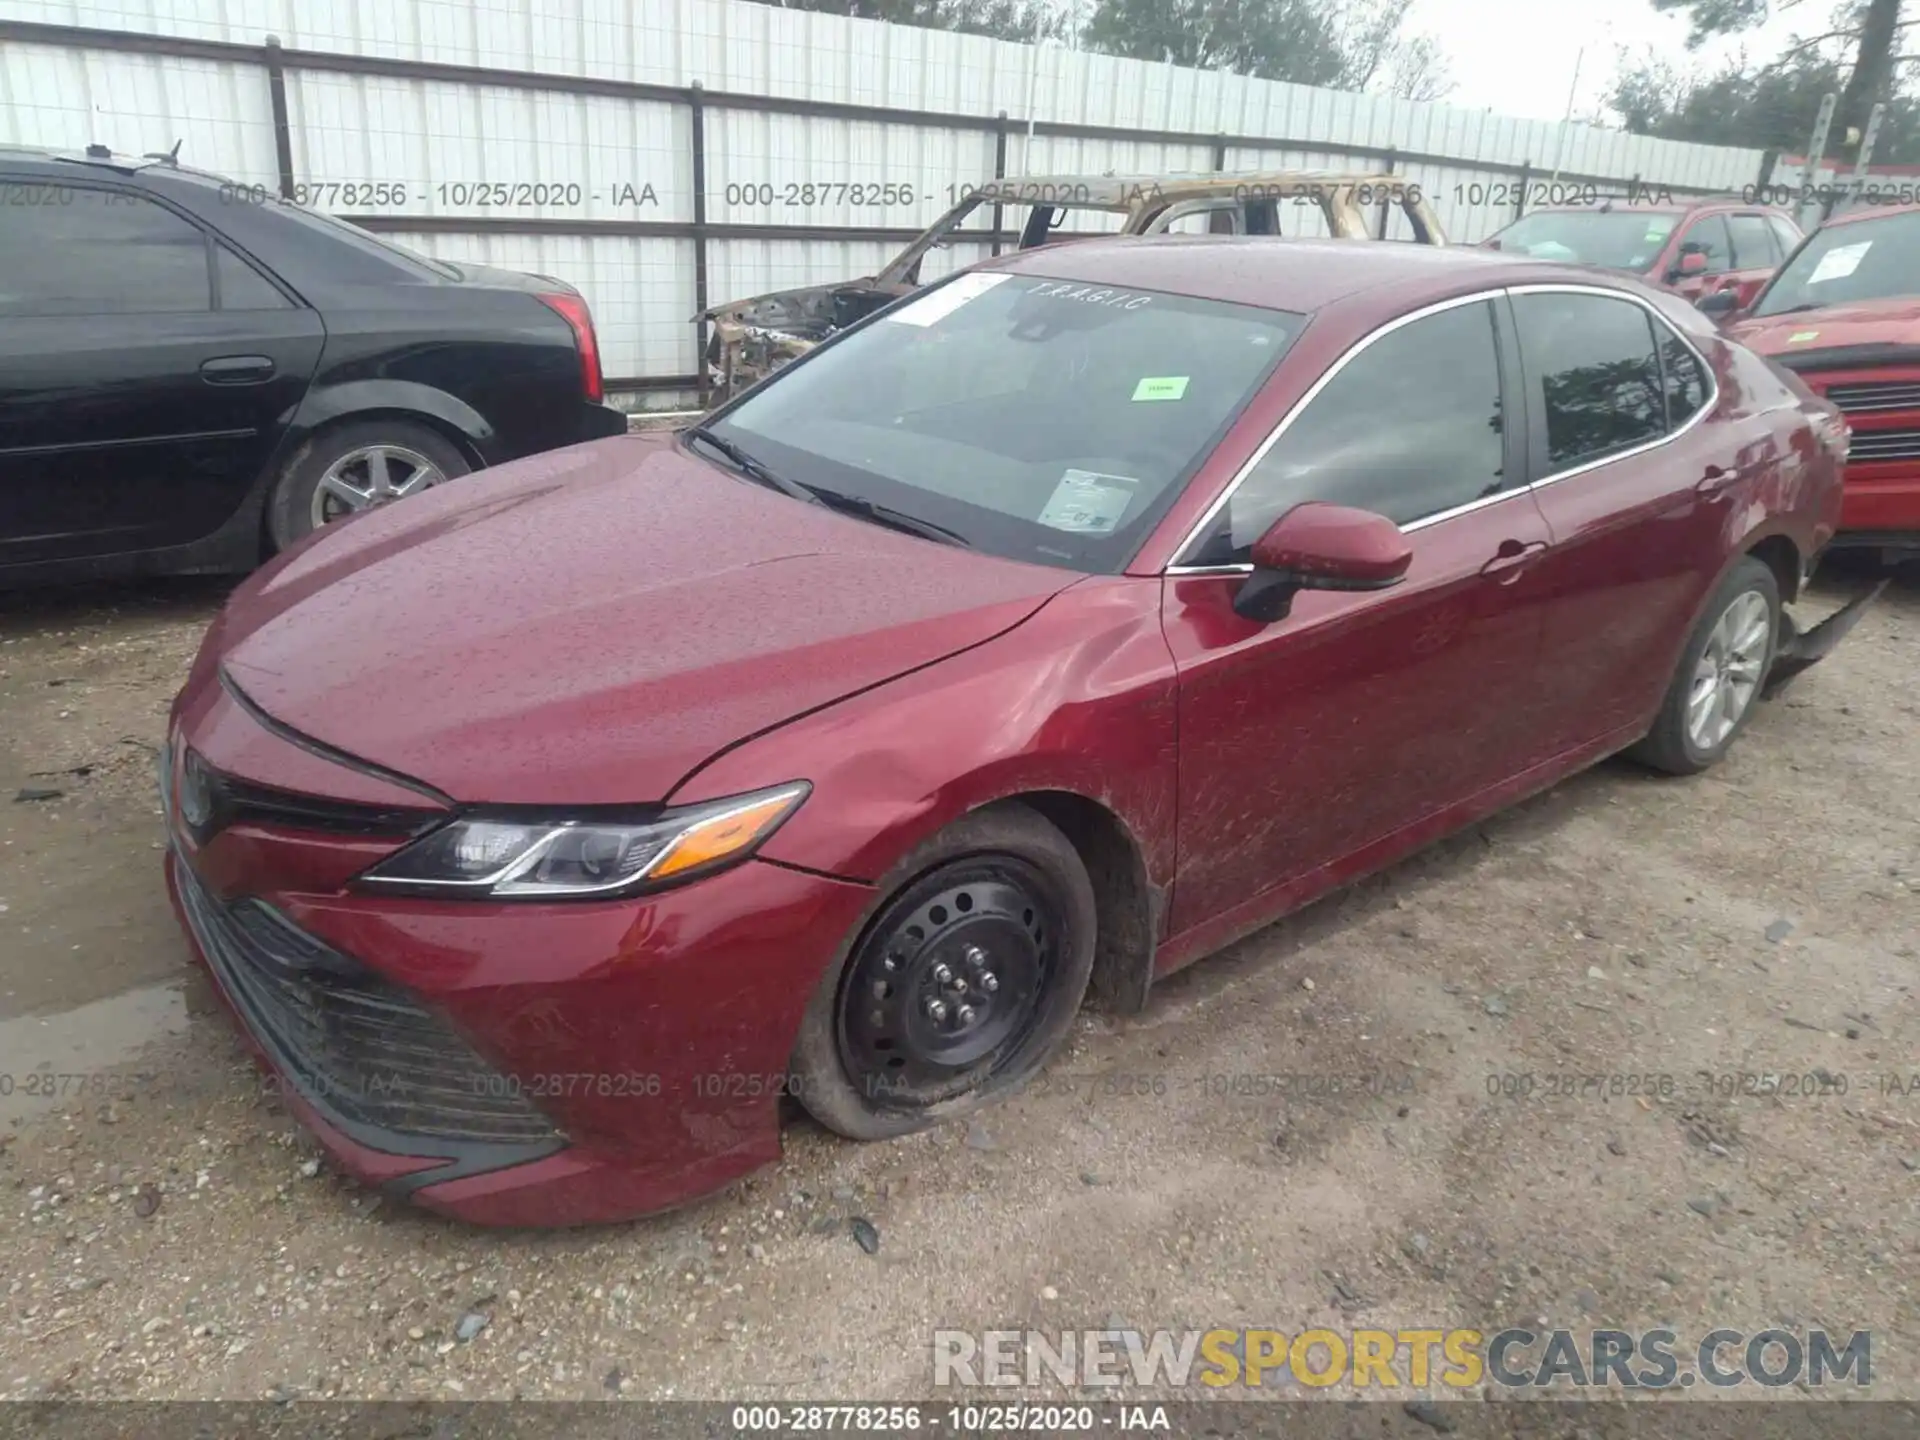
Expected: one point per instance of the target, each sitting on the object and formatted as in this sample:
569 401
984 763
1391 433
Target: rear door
147 371
1628 476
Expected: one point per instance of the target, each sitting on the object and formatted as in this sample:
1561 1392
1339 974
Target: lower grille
354 1046
1884 445
1866 397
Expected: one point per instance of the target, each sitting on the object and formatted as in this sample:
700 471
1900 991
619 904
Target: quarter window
1597 378
1784 232
242 287
100 252
1686 379
1411 427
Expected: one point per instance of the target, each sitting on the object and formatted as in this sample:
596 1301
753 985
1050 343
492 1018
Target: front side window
1708 237
1842 264
100 252
1043 420
1410 427
1685 377
1591 360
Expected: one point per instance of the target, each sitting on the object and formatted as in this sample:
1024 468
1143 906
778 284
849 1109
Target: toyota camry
551 834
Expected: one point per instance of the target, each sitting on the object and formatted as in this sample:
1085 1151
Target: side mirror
1316 546
1720 303
1691 262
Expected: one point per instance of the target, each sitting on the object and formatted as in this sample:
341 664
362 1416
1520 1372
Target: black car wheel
357 466
959 986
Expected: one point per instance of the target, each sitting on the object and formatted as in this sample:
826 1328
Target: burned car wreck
751 338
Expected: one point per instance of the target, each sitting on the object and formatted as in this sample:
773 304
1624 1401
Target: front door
1303 741
146 373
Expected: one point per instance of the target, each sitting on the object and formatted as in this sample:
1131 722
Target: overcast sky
1517 56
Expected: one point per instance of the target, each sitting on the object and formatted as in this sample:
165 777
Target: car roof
78 162
1283 274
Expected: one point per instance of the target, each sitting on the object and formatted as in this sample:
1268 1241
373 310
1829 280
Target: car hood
1891 322
588 626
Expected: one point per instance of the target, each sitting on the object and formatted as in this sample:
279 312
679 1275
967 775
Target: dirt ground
171 1232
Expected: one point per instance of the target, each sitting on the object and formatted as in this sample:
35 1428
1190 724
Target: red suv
1038 634
1693 250
1844 315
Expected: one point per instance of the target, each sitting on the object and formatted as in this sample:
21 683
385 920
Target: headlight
557 858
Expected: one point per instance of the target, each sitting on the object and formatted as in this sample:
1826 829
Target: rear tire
993 921
1717 686
379 459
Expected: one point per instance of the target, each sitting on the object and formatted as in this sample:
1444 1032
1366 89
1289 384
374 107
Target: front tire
1717 687
961 984
356 466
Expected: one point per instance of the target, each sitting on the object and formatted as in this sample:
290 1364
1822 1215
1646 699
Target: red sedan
1844 314
1053 627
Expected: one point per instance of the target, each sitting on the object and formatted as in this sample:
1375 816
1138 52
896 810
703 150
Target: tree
1868 27
1351 45
1002 19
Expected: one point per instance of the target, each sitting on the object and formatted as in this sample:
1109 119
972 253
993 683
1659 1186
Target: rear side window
1412 426
1708 237
1591 360
100 252
1754 247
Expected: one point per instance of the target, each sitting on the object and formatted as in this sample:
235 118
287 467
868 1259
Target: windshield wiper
878 514
752 468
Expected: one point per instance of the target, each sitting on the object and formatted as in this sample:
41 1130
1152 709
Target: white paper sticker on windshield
1089 503
1839 262
942 302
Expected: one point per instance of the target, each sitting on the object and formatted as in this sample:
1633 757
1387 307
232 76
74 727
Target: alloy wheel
1730 670
370 476
949 983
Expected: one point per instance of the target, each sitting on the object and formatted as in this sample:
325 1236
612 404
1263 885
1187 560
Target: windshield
1043 420
1863 260
1617 239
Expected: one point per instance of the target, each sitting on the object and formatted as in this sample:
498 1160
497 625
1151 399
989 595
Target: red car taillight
573 310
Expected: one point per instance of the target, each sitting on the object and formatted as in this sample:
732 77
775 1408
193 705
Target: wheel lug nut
937 1009
941 973
966 1015
959 986
989 982
975 955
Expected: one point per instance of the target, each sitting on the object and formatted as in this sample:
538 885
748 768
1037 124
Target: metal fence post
1526 179
999 171
697 116
1392 158
282 130
1219 154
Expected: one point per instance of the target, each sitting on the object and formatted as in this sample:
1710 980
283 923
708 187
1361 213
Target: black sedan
194 373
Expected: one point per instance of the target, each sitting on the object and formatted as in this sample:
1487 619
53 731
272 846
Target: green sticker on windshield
1162 387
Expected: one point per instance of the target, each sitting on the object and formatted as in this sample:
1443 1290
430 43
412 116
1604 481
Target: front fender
1080 699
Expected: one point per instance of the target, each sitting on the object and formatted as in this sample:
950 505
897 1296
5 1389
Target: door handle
1512 559
237 369
1716 479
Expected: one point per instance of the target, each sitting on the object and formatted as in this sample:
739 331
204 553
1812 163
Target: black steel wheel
958 987
948 979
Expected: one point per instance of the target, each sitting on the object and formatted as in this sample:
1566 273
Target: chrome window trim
1212 512
1707 406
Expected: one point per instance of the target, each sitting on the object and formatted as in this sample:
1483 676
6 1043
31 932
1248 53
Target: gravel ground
172 1234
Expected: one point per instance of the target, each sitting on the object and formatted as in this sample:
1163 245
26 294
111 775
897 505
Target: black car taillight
573 310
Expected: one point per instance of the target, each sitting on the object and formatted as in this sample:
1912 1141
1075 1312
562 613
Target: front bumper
511 1064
